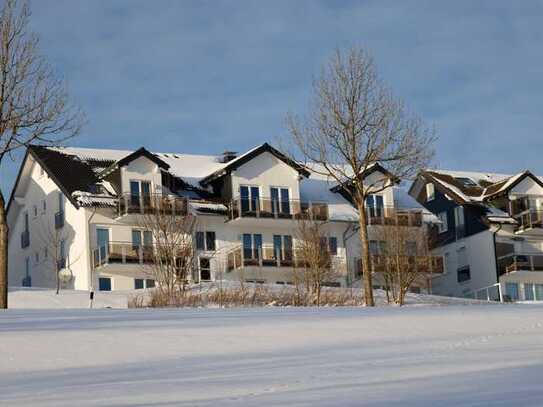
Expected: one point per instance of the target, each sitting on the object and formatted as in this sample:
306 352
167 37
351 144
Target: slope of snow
476 355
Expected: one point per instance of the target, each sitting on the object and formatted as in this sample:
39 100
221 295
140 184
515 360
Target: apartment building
82 206
490 232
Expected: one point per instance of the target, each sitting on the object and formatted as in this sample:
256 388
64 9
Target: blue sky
205 76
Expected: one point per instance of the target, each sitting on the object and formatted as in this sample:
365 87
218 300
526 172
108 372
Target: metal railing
277 209
417 264
491 293
520 262
529 219
59 219
267 256
153 203
25 239
123 253
391 216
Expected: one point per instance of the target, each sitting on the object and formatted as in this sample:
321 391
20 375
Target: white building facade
77 209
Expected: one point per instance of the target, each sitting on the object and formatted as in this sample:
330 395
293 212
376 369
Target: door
102 242
285 201
135 194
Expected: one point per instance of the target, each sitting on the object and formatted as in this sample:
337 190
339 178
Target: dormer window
466 182
430 192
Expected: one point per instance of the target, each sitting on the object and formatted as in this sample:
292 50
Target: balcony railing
529 219
150 204
417 264
390 216
25 239
59 220
122 253
520 262
276 209
267 256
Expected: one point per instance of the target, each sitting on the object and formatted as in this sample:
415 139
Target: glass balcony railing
390 216
276 209
154 203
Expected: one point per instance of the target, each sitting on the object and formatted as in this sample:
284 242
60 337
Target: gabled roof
140 152
248 156
368 171
506 185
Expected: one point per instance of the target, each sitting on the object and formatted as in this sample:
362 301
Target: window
104 284
250 199
463 274
205 269
62 255
430 192
150 283
280 200
529 292
466 182
25 235
43 206
511 291
459 222
442 227
27 280
138 283
141 238
252 246
35 211
377 247
37 257
375 205
282 247
205 240
411 248
45 253
138 190
332 245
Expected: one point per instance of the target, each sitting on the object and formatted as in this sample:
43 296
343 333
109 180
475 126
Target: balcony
59 220
264 208
25 239
151 204
529 219
390 216
520 262
417 264
266 256
122 253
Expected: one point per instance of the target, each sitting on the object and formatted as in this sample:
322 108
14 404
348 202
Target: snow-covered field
472 355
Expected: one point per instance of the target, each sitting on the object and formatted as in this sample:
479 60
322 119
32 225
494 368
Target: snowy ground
475 355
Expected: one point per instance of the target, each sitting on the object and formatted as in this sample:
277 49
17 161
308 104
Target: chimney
227 156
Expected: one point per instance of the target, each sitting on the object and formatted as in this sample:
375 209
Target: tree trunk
3 254
366 263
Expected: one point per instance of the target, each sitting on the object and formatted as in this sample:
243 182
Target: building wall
480 258
266 171
37 188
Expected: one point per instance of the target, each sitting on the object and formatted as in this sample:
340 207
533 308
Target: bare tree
353 124
34 104
313 260
55 256
171 256
404 259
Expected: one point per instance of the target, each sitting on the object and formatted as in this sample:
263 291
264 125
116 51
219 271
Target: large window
459 221
511 290
252 246
140 193
141 238
377 247
205 268
250 199
282 247
463 274
280 200
205 240
375 205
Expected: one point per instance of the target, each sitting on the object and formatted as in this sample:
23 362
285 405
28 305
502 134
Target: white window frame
430 192
443 226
